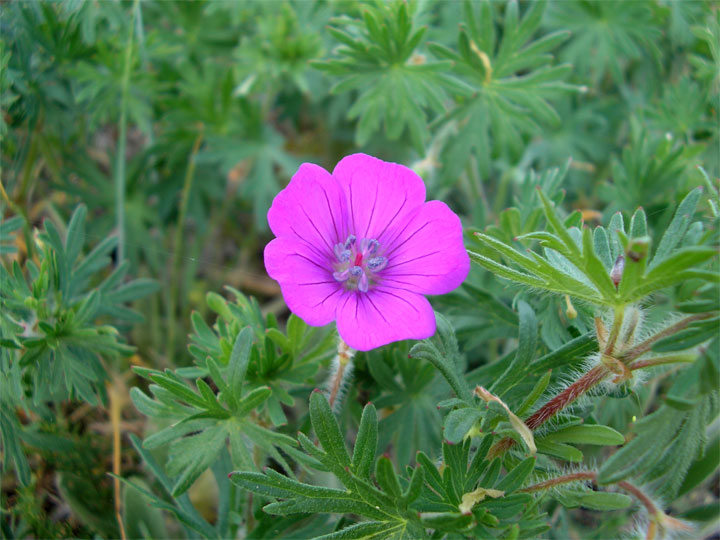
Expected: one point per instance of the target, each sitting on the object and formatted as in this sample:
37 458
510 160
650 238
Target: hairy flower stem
555 405
343 361
657 516
615 330
597 374
663 360
645 346
565 479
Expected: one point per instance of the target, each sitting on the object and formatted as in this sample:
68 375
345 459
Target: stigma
357 263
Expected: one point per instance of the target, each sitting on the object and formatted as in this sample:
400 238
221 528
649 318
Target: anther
339 250
369 245
350 242
356 271
377 263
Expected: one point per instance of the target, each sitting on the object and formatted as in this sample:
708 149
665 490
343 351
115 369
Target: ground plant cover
359 269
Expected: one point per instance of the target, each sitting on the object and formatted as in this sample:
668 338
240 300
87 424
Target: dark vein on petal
316 229
372 212
408 275
409 236
332 216
393 218
324 299
308 244
376 309
352 208
308 259
415 259
317 282
399 298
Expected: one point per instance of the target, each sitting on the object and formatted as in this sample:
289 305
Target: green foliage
512 77
397 85
238 374
142 145
606 267
54 347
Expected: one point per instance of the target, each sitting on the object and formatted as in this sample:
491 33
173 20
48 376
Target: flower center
357 262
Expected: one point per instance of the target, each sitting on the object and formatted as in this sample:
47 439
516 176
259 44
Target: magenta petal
307 284
427 255
380 195
383 315
311 208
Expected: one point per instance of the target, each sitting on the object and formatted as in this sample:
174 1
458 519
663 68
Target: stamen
369 245
377 263
363 282
341 276
350 242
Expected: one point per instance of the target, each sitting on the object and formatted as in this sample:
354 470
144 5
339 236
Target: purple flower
361 246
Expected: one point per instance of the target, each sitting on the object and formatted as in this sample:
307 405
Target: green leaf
238 364
517 476
586 434
598 500
253 399
427 350
367 529
366 442
415 486
535 393
387 478
327 429
677 228
563 451
527 344
75 234
459 422
274 484
190 456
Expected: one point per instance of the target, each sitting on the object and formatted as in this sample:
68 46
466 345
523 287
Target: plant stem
115 396
555 405
122 136
615 330
343 359
592 476
566 479
178 245
662 360
646 345
658 519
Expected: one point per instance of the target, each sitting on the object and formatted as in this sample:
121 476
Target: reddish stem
555 405
560 480
645 346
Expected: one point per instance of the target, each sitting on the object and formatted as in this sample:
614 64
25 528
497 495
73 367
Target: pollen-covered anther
377 263
369 246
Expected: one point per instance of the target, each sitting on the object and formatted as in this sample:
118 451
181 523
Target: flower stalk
617 357
658 518
342 365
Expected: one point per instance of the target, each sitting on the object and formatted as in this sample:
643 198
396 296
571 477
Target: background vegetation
142 144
